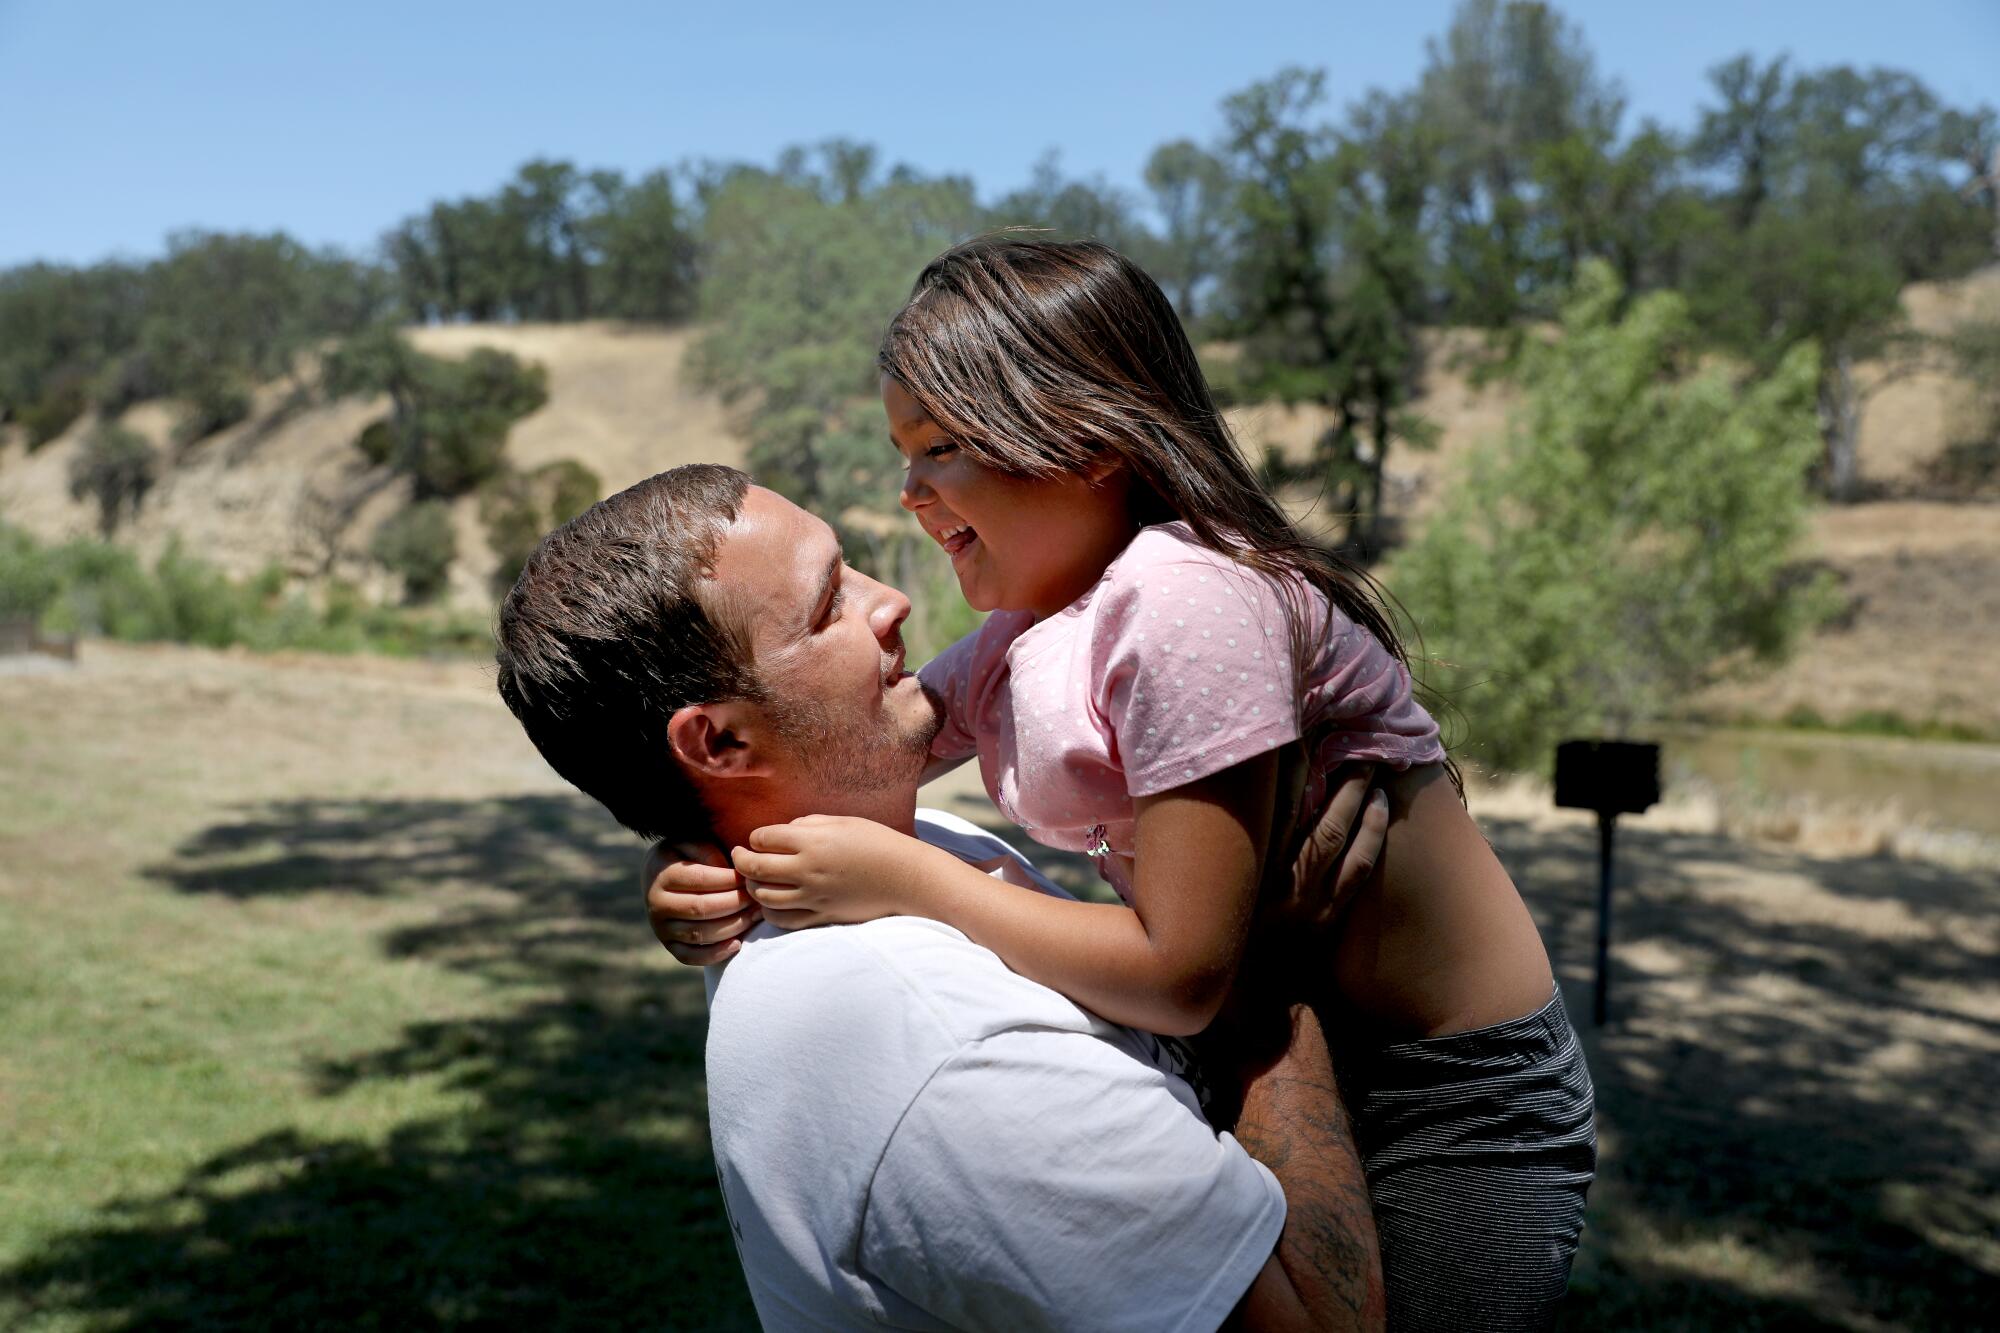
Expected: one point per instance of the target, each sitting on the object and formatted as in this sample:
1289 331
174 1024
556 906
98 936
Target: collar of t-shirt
963 839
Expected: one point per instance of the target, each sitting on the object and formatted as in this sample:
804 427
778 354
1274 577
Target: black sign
1610 777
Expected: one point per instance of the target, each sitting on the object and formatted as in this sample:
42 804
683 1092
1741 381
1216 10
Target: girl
1159 633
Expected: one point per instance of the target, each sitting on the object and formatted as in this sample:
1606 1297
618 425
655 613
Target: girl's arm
1163 965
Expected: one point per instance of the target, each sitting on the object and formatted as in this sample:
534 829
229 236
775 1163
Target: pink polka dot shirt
1174 666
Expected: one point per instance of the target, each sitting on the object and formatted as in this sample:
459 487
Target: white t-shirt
909 1134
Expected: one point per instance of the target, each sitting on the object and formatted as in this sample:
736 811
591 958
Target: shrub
52 414
519 508
447 428
213 402
1629 541
377 442
115 467
91 587
418 545
29 582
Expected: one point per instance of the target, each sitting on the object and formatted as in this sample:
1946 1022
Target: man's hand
1339 854
822 870
696 904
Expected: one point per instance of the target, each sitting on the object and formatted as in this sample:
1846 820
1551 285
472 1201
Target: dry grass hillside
287 485
1922 575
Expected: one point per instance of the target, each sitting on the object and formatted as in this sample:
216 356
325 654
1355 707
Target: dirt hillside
287 485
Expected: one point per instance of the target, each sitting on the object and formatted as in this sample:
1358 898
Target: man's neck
768 804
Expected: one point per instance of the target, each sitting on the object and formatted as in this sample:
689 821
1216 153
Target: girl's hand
823 870
695 903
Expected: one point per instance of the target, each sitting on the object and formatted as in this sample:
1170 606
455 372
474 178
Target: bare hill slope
287 485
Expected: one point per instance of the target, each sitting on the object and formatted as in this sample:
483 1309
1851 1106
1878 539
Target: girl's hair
1038 357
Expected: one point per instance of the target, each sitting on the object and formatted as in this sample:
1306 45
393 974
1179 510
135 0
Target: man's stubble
854 754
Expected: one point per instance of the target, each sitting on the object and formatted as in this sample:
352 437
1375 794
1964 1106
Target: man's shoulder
916 984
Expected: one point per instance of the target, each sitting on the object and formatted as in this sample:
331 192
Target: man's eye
833 607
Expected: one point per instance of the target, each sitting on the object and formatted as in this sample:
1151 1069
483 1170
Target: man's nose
890 609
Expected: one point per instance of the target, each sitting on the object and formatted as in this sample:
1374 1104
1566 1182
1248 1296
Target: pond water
1944 784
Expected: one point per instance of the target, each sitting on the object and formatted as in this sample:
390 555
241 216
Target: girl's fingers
767 867
781 896
665 905
775 838
679 931
687 877
705 955
792 920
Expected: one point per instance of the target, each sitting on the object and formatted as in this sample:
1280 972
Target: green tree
554 243
1746 133
804 268
1628 204
227 313
1972 140
1069 209
1507 82
1841 193
62 333
1630 540
1192 193
448 420
1331 278
418 544
647 268
114 468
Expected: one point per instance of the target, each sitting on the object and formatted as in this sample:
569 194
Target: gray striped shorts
1479 1149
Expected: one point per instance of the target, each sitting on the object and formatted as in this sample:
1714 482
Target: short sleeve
1112 1206
1193 665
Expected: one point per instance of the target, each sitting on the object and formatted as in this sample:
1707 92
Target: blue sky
123 121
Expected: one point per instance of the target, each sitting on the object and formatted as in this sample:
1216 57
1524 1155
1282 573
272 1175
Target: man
906 1132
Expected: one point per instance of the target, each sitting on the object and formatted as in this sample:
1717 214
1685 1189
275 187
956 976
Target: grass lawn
323 1004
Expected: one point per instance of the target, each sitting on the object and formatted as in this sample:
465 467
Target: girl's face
1016 543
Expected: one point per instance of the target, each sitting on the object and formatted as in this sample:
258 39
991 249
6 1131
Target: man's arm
1326 1272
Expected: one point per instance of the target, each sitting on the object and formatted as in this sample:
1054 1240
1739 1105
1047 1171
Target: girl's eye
940 449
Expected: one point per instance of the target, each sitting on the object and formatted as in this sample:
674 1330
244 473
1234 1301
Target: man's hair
608 632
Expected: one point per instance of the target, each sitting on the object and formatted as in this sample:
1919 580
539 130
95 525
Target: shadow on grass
1798 1096
570 1187
1798 1090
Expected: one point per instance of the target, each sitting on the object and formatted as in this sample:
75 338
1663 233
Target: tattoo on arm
1297 1126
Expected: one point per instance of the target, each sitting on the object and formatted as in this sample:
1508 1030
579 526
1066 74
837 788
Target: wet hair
609 632
1041 357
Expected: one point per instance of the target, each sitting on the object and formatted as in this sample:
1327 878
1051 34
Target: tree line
1796 207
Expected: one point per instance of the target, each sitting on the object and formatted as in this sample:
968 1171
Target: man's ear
724 740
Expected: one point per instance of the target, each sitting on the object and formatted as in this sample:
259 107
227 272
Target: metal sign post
1612 778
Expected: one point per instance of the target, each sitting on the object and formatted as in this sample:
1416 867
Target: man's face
827 643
